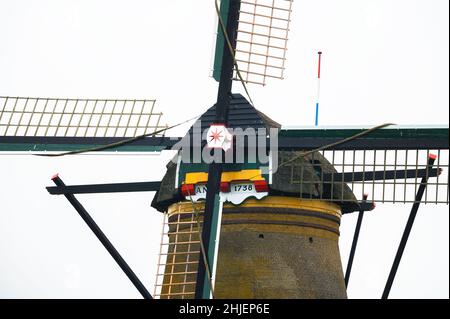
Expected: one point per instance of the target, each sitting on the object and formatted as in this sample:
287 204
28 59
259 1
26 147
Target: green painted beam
397 132
289 138
220 40
67 144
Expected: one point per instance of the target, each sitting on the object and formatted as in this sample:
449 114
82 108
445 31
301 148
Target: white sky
383 61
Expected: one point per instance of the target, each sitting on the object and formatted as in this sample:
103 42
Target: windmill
362 168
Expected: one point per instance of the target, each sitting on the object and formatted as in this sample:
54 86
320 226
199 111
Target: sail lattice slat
62 117
178 259
387 176
262 38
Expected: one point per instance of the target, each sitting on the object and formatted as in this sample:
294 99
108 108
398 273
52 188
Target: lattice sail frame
178 257
64 117
356 169
262 38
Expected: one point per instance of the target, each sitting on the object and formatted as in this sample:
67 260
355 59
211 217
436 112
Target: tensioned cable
230 47
133 139
202 246
130 153
197 215
324 147
345 140
117 144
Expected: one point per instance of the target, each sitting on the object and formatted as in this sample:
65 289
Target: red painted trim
261 186
225 187
188 189
320 58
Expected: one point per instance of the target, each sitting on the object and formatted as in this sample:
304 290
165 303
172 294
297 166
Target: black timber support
407 231
354 243
379 175
104 240
105 188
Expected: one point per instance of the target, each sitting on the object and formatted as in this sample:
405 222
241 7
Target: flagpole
316 122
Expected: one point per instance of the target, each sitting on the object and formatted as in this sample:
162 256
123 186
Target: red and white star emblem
219 137
216 136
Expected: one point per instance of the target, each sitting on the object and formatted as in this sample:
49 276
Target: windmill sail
62 124
261 40
388 176
387 164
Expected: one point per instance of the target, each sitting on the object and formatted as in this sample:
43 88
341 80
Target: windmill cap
320 52
55 176
432 156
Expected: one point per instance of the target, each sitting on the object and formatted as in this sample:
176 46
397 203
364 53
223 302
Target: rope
133 139
117 144
197 215
202 246
230 48
345 140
